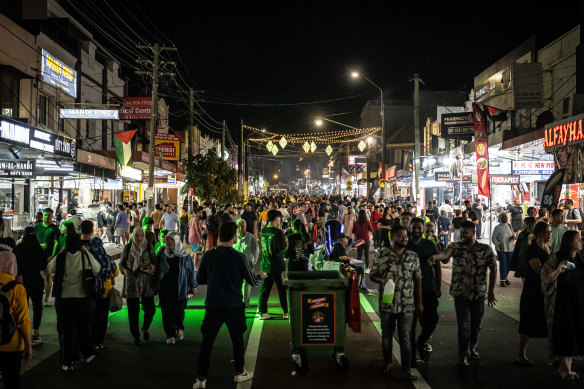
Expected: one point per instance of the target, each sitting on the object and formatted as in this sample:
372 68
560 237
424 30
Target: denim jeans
404 326
504 259
469 316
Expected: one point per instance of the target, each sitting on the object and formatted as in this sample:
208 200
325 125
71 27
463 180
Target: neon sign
563 134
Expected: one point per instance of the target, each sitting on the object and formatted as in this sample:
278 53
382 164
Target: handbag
116 301
92 284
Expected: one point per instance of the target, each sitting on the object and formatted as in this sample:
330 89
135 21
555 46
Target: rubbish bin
316 302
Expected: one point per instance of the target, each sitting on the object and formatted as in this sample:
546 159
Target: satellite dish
544 119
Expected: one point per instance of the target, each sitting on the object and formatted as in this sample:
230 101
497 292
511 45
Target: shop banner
457 125
447 177
139 108
552 190
482 151
168 145
57 74
504 179
17 168
533 167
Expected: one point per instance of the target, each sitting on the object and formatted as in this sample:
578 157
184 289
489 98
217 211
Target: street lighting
319 122
382 113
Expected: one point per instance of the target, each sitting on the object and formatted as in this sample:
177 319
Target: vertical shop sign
482 151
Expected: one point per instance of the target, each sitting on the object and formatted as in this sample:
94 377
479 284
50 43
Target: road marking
420 383
251 351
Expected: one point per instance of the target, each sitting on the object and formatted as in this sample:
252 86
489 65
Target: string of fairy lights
310 140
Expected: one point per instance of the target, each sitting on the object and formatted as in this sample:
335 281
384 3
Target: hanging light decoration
312 146
306 147
283 143
328 150
274 149
361 146
269 145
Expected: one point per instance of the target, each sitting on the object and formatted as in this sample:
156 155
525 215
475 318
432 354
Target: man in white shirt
170 220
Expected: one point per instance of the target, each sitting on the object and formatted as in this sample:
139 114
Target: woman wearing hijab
176 277
20 345
31 263
74 308
138 264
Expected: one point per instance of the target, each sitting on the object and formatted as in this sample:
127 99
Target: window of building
566 106
43 112
9 95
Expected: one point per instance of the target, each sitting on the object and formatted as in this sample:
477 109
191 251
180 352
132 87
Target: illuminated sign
17 169
59 75
357 160
533 167
12 132
446 176
504 180
457 125
564 133
131 173
19 134
103 114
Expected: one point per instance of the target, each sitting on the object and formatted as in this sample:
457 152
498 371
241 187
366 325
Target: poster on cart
318 319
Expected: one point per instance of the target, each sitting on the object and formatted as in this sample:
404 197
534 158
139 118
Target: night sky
264 66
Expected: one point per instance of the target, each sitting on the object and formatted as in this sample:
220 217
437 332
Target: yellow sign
349 183
382 183
168 145
266 185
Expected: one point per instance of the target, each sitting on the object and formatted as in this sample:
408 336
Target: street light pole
382 114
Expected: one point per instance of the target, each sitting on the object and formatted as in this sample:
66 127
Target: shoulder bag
92 284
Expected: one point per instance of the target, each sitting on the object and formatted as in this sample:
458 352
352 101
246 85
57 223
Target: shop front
565 141
132 184
165 193
34 165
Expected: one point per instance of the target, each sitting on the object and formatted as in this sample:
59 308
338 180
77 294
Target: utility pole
241 160
156 63
417 157
223 141
191 138
246 172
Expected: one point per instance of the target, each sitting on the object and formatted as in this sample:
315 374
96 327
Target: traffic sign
382 183
349 184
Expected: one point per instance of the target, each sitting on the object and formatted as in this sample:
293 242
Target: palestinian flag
495 114
123 145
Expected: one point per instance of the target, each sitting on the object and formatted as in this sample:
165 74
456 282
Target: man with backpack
573 216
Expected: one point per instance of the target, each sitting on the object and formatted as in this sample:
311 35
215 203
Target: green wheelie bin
316 302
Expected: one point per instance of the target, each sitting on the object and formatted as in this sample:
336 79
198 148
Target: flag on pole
123 145
481 151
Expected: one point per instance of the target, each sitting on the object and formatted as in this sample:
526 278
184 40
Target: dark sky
298 54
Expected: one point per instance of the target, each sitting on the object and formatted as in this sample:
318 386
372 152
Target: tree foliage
211 178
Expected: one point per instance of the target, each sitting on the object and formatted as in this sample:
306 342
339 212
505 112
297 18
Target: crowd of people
408 242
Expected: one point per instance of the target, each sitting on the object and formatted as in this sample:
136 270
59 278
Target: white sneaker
180 334
170 340
285 316
243 376
264 316
200 384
